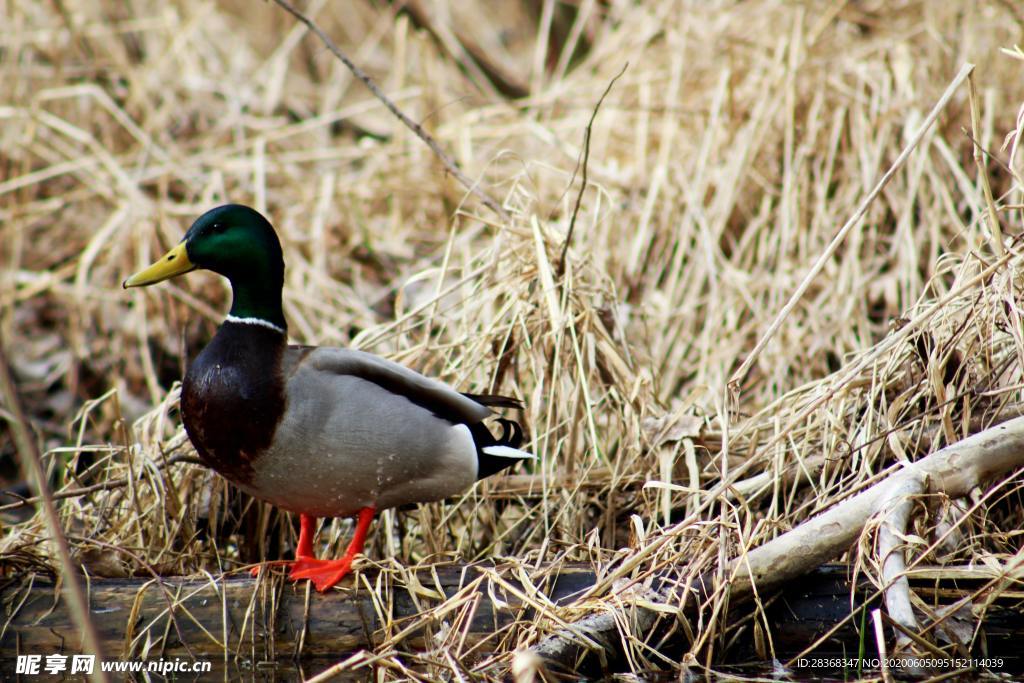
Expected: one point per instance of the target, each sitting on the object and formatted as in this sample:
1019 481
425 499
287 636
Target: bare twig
586 158
876 620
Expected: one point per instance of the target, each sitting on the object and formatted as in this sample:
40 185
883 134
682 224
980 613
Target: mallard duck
322 432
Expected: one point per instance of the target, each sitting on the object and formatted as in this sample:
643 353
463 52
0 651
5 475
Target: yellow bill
175 262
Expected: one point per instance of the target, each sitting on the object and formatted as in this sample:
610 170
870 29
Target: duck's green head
240 244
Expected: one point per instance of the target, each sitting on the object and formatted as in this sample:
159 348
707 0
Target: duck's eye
217 228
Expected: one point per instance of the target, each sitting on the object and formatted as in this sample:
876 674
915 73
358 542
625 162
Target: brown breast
233 398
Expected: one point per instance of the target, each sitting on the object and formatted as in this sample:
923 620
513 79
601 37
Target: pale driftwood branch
954 470
895 511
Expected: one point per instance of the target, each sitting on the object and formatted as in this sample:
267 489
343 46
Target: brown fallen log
269 619
823 604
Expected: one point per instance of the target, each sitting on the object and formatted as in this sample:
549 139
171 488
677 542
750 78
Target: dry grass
724 160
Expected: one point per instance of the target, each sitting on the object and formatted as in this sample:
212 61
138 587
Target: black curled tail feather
511 436
511 433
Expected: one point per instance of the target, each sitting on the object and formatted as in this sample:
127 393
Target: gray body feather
362 431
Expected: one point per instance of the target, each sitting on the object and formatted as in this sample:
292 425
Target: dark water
288 671
753 672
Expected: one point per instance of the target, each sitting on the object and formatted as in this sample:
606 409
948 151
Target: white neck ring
254 321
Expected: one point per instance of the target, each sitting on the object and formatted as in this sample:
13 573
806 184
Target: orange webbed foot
327 573
323 573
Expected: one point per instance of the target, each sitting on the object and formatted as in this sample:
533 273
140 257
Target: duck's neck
257 302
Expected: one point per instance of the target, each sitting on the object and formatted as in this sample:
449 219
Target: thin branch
992 157
446 159
586 159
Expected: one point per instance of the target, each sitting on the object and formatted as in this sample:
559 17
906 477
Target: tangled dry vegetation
726 157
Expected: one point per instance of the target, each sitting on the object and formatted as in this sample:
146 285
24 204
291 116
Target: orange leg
326 573
307 530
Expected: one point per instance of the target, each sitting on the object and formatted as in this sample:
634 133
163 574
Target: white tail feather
508 452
